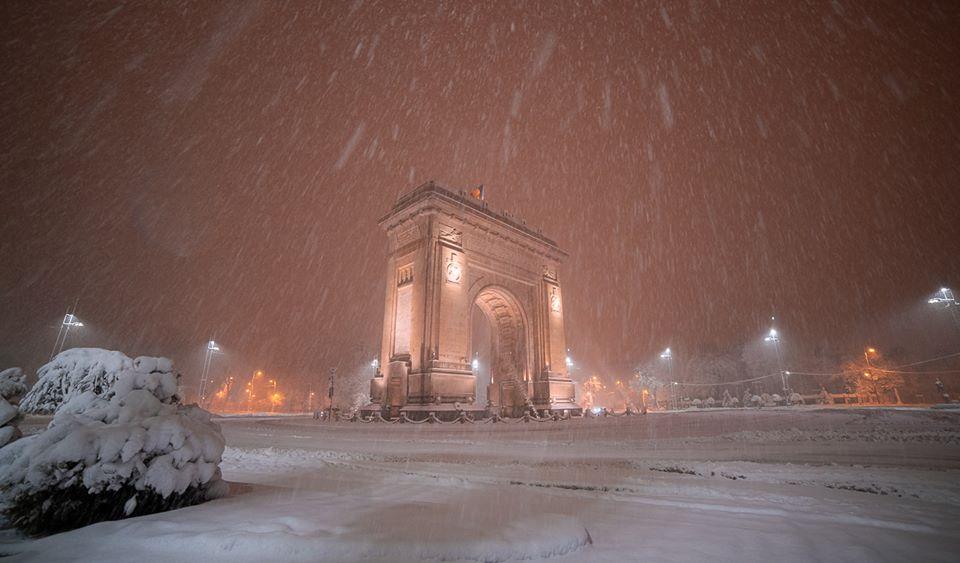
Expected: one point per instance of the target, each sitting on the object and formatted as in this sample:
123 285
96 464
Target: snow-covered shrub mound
73 372
710 402
9 415
12 386
734 402
776 399
796 399
756 401
698 403
124 450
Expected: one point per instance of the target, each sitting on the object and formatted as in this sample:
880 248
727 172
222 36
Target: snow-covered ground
786 484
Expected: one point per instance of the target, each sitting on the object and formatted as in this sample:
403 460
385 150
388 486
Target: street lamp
946 298
69 321
212 348
274 397
668 356
375 364
774 337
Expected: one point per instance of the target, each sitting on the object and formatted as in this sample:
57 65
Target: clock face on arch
454 272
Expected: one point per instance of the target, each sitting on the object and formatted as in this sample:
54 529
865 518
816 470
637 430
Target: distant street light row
944 297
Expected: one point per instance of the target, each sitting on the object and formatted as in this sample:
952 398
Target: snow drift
121 444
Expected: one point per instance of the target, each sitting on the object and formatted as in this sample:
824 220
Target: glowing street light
774 337
668 356
69 321
946 298
475 363
212 348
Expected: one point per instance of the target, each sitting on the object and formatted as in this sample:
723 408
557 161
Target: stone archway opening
499 343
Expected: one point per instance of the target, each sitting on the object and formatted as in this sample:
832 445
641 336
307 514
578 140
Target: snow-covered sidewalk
786 485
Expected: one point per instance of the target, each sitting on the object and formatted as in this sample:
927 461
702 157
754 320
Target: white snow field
787 484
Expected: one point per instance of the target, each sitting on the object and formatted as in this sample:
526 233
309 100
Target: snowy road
786 485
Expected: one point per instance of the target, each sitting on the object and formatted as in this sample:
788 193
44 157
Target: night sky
197 169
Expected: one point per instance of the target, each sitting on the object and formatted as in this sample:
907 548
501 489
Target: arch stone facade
447 253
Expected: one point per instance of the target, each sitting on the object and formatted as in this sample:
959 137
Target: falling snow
179 172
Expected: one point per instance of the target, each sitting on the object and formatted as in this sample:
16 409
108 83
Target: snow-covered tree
759 359
113 450
352 391
12 386
71 373
873 381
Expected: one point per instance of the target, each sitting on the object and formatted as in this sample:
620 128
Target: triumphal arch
455 265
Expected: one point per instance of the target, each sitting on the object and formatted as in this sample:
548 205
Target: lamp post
375 364
774 337
212 348
70 320
946 298
667 355
333 375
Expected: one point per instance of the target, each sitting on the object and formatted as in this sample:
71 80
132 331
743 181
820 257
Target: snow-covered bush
9 415
126 449
777 399
710 402
767 399
756 401
796 399
73 372
734 402
698 403
12 386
